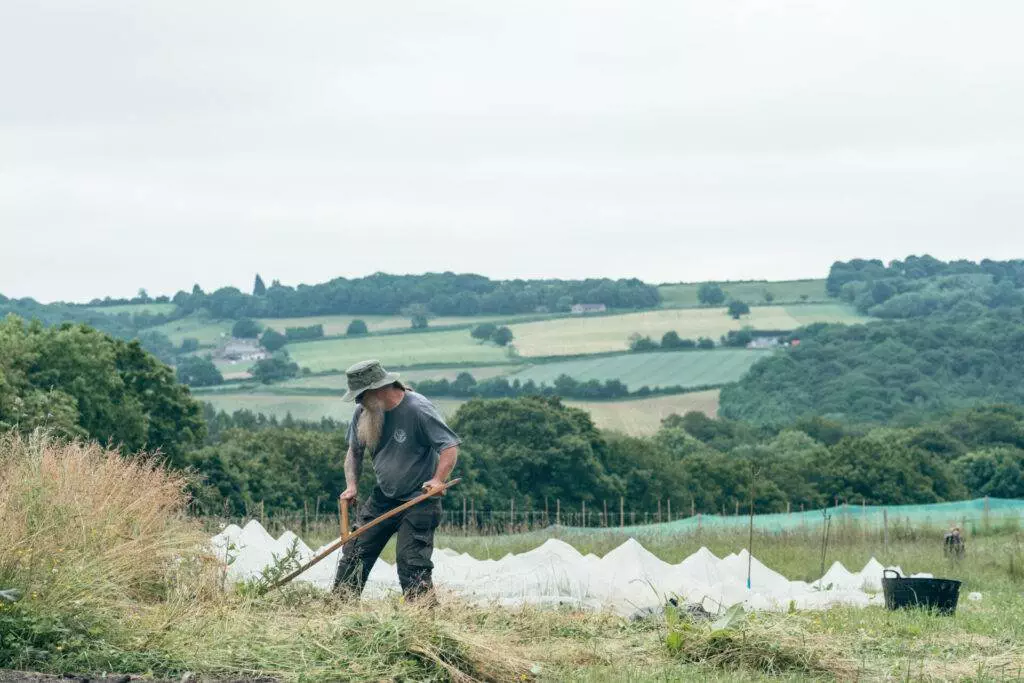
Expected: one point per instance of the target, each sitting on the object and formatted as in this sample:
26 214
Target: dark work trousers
415 529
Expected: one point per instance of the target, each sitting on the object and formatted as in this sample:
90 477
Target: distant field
338 382
453 346
679 368
234 370
154 309
301 407
644 416
752 292
208 332
338 324
636 417
610 333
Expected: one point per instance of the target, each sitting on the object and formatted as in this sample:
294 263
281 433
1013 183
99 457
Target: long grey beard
370 426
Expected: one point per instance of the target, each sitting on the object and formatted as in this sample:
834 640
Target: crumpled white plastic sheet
626 580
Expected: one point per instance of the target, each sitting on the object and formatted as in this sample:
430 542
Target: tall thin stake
750 541
824 539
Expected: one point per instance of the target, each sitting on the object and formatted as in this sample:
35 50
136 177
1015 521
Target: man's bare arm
445 464
353 465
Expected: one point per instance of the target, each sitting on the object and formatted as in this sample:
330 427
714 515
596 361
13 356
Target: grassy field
128 587
640 417
208 332
453 346
610 333
234 369
637 416
338 324
789 291
678 368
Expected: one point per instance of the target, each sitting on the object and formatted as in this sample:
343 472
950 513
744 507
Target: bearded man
412 450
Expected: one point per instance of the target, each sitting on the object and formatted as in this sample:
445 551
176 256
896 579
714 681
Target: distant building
588 308
242 349
763 343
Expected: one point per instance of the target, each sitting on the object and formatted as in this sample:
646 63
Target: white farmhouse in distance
580 309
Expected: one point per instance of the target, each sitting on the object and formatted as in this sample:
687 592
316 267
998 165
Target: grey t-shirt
414 433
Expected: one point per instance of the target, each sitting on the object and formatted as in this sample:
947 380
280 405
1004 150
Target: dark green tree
710 294
80 382
188 345
738 308
246 328
198 372
356 327
272 340
483 331
502 336
274 369
640 343
671 340
258 288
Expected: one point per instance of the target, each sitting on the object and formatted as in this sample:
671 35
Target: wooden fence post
737 508
558 511
669 509
659 508
584 513
622 518
604 522
885 526
463 514
511 514
693 507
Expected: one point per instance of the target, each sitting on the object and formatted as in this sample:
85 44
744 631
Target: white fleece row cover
627 579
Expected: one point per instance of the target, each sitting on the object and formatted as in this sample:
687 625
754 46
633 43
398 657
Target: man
412 450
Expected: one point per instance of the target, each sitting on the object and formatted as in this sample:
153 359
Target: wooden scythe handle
345 528
361 530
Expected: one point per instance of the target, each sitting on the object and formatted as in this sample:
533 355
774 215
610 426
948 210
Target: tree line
564 386
921 286
438 293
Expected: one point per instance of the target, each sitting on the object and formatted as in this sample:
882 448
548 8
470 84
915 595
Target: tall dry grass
82 525
115 577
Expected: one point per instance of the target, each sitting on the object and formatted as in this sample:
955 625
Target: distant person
953 543
412 450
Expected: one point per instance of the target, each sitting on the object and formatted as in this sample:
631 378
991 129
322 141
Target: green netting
976 511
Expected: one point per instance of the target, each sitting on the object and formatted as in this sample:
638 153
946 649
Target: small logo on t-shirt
400 435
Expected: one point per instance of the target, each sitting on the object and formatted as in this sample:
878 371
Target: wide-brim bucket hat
367 375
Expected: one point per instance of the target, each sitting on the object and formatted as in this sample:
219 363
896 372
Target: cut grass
753 292
636 416
422 348
666 369
600 334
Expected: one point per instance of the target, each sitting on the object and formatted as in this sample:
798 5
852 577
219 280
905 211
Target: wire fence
460 516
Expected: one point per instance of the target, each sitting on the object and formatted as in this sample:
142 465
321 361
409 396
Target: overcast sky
159 144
